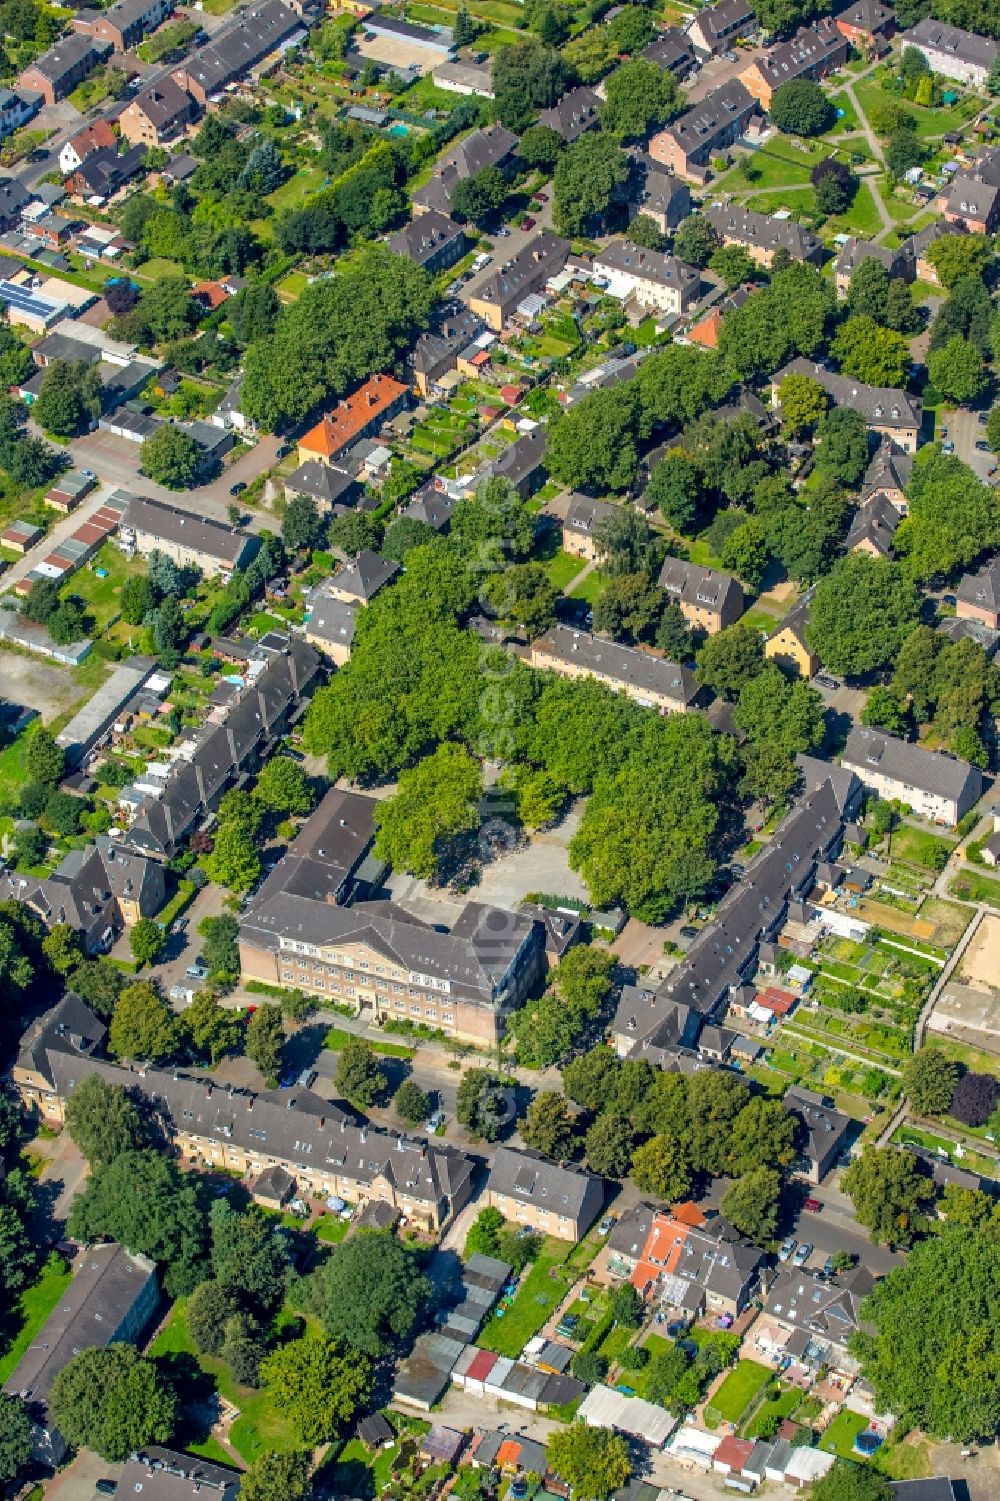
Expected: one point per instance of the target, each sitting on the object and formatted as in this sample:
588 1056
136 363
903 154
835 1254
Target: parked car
182 993
786 1248
813 1205
504 233
803 1254
179 925
106 1487
88 473
527 222
238 488
307 1078
198 970
828 1267
605 1226
947 446
982 446
282 451
825 681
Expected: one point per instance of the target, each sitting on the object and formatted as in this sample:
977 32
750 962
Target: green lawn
539 1294
591 588
359 1473
101 597
839 1437
13 767
920 847
971 886
338 1038
862 218
849 119
158 268
261 1425
32 1309
293 193
739 1389
777 169
331 1229
782 1406
929 122
800 202
563 569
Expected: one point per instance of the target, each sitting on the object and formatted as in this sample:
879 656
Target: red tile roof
733 1452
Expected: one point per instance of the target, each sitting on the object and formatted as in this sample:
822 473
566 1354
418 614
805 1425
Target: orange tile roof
706 333
508 1453
689 1214
210 293
348 420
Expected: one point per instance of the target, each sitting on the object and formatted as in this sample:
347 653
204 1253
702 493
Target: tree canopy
369 1292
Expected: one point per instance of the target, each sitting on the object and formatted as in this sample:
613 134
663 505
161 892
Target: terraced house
762 236
705 130
813 53
237 1130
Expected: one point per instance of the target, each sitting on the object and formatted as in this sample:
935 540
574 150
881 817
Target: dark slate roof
333 621
877 404
365 575
750 228
259 30
518 462
327 851
826 1307
167 1475
823 1127
533 1179
70 1025
875 522
967 46
702 586
542 257
584 514
157 518
619 664
324 482
577 111
930 771
433 507
438 347
423 237
890 469
671 50
107 1283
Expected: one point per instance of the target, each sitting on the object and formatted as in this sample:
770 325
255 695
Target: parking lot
34 684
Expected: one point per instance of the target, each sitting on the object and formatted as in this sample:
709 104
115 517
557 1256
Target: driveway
965 432
116 461
719 70
76 1482
506 247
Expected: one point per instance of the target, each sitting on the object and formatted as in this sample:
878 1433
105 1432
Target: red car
813 1205
527 222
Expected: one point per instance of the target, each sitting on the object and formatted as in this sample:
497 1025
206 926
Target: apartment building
813 53
169 1475
123 24
583 517
952 52
888 474
110 1300
358 582
816 1315
578 111
874 527
788 645
672 51
240 1131
190 540
331 626
935 785
360 415
978 596
971 204
891 413
97 891
648 277
717 26
454 337
235 738
500 294
157 115
685 1260
431 241
708 600
545 1196
762 236
66 63
823 1131
653 682
707 129
753 911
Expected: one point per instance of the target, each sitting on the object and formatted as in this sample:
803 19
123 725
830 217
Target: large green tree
890 1194
592 1461
113 1401
590 176
435 803
140 1199
103 1120
941 1371
860 614
318 1383
369 1292
143 1026
171 457
929 1079
638 97
16 1437
549 1125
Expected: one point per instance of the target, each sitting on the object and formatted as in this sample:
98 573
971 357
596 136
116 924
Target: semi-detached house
686 1261
708 599
705 130
813 52
123 24
653 682
495 299
653 279
326 1151
188 539
891 413
717 26
58 71
260 30
546 1196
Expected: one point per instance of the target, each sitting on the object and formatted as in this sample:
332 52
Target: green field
971 886
32 1309
861 218
509 1329
739 1389
261 1424
591 588
157 268
292 193
563 569
920 847
929 122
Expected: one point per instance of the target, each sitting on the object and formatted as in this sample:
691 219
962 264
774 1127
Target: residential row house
497 298
653 191
266 28
158 114
813 53
891 413
492 146
432 241
936 785
651 681
235 740
455 341
247 1132
717 27
66 63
